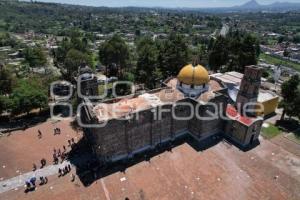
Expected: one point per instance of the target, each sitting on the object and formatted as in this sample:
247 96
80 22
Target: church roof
193 75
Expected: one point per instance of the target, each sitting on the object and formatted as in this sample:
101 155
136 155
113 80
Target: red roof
233 113
245 120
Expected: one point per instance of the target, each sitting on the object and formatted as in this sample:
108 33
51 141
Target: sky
162 3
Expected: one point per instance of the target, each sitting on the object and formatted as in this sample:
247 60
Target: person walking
28 186
63 156
59 172
32 181
59 153
55 159
39 134
43 162
42 181
73 178
34 167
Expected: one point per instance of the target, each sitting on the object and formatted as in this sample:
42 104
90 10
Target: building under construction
183 105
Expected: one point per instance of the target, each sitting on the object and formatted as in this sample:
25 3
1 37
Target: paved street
19 181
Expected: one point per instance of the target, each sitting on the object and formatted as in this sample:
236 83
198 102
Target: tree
286 53
280 39
80 44
202 55
235 52
249 52
75 59
173 54
297 103
35 57
114 51
265 73
290 94
218 55
28 95
147 62
296 38
77 41
7 40
5 103
61 52
6 81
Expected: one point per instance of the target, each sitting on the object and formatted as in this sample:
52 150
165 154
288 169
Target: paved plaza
269 171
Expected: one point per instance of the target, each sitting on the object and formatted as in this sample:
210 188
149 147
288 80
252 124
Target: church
192 103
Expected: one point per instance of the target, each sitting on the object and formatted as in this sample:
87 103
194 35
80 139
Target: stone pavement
19 181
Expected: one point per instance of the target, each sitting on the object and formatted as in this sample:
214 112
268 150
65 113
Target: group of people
57 131
65 170
71 142
58 154
43 164
31 183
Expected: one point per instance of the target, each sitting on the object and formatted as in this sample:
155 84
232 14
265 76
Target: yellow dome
191 75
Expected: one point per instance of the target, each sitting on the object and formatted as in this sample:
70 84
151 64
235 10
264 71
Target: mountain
253 5
250 4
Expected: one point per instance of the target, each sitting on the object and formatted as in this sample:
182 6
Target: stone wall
138 130
241 134
112 139
148 128
203 124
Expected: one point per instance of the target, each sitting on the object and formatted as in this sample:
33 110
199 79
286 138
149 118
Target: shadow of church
89 169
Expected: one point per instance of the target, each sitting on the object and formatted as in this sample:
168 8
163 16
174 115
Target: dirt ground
21 149
269 171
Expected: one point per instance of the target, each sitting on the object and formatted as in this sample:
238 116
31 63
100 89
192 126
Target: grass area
95 59
272 41
270 132
101 88
277 61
